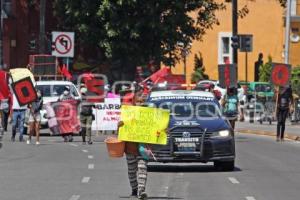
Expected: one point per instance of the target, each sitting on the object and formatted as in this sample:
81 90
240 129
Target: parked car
51 91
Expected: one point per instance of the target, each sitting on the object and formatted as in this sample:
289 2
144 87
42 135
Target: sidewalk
291 131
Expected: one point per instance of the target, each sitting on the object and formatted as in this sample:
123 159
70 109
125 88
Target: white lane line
85 151
90 156
85 179
233 180
250 198
74 145
75 197
91 166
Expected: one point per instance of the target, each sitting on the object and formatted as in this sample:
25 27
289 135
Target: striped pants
137 172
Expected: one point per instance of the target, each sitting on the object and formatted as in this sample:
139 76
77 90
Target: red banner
67 116
4 89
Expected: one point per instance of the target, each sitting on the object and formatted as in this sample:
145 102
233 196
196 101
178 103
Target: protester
5 105
284 103
66 96
137 156
5 100
86 118
52 121
18 117
230 105
35 118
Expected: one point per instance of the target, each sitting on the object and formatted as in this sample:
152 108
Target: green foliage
295 80
265 70
199 69
136 31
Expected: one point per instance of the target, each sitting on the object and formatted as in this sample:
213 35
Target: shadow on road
186 168
149 197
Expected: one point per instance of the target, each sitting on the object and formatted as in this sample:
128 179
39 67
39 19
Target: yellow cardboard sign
144 125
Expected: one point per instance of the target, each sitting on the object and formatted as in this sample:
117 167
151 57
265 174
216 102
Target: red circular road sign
280 75
64 42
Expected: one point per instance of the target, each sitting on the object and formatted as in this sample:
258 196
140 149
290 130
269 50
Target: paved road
265 170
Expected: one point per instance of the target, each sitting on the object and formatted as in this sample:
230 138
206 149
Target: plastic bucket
115 147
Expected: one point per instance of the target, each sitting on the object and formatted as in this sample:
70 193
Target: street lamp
185 51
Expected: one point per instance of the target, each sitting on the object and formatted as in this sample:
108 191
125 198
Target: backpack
230 107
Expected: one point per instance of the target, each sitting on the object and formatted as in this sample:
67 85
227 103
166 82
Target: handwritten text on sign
144 125
107 114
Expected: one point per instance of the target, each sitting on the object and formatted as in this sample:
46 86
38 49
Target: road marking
75 197
90 156
74 145
91 166
85 151
233 180
85 179
250 198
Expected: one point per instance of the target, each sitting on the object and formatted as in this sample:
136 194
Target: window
224 48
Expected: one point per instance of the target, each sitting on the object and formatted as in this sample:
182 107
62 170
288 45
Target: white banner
107 115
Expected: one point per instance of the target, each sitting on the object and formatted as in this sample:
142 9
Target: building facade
21 31
265 21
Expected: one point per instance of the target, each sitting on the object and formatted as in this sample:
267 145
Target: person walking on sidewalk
35 118
86 118
284 106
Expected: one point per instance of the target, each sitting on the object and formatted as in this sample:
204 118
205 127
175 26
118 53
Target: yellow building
265 21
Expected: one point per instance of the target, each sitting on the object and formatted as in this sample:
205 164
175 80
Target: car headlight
221 134
224 133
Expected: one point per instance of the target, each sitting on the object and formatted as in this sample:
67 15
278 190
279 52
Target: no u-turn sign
63 44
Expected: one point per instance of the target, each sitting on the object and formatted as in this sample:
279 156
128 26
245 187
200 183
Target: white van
51 91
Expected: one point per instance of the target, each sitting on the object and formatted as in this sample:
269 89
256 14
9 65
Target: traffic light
235 42
246 43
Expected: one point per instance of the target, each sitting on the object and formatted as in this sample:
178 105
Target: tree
199 69
131 32
265 70
295 80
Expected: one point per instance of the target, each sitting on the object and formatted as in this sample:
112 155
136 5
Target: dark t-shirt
285 98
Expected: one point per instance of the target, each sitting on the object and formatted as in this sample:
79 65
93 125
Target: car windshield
188 109
56 90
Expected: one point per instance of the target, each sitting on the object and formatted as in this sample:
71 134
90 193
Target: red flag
4 89
160 74
65 72
87 77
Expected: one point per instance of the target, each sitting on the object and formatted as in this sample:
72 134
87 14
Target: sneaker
143 196
65 139
13 139
28 142
90 142
83 143
37 143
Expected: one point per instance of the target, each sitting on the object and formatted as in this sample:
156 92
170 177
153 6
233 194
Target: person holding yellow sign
137 156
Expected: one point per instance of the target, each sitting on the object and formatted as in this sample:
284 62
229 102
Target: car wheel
224 165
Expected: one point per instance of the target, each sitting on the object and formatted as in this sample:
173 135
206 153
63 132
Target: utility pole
287 31
42 26
1 35
234 30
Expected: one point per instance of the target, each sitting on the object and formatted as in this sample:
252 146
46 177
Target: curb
268 133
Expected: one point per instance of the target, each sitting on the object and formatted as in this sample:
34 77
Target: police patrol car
197 130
